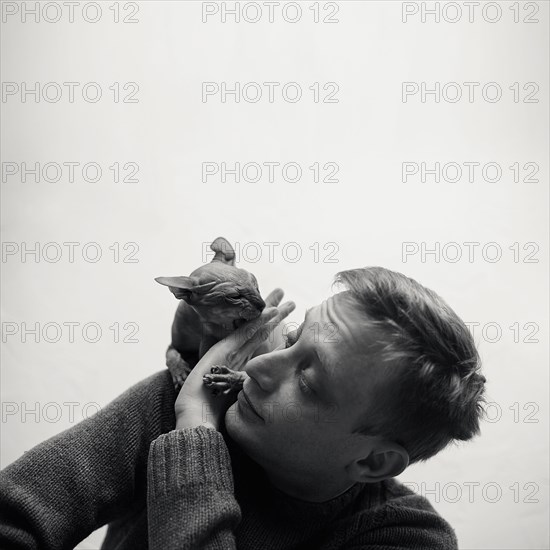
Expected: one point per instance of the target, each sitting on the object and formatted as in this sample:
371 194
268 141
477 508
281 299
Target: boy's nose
267 370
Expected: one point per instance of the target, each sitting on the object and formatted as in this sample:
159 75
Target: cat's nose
260 304
256 307
253 309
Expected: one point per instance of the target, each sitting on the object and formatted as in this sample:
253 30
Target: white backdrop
153 120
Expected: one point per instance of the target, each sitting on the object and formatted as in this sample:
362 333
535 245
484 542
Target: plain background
368 213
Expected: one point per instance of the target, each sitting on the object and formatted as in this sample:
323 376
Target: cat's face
225 295
222 295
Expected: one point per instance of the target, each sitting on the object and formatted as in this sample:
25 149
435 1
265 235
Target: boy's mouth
249 404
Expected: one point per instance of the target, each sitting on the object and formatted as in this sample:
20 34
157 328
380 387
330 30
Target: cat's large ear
186 288
180 287
224 251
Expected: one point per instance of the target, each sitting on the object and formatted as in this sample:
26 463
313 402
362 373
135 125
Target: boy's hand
195 404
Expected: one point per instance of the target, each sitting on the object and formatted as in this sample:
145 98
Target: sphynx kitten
215 300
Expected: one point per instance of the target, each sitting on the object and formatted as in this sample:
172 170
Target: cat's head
219 292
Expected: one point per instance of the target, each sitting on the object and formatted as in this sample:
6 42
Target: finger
283 311
270 318
214 378
274 298
249 329
223 385
263 332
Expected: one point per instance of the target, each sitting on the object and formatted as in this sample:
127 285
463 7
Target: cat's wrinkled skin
214 301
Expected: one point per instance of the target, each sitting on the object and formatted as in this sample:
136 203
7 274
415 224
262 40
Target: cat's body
214 300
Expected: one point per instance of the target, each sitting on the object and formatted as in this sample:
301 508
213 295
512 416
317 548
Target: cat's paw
223 380
179 369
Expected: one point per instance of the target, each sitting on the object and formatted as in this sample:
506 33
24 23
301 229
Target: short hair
435 395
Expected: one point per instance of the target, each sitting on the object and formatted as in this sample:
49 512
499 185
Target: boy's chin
231 421
237 425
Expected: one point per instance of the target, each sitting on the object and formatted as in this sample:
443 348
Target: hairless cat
215 300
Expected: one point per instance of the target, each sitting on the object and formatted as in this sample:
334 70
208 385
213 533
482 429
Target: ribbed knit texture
162 488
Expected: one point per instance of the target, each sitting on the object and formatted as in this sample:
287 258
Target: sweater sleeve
190 495
63 489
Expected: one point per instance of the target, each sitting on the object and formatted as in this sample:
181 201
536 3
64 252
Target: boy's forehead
364 336
346 313
348 325
341 316
339 304
347 344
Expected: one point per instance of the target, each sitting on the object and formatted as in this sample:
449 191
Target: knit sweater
162 488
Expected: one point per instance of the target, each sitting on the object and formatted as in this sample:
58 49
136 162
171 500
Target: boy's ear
224 251
180 287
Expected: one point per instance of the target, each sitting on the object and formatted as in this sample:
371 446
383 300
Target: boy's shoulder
390 514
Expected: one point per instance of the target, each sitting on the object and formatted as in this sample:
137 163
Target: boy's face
310 395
